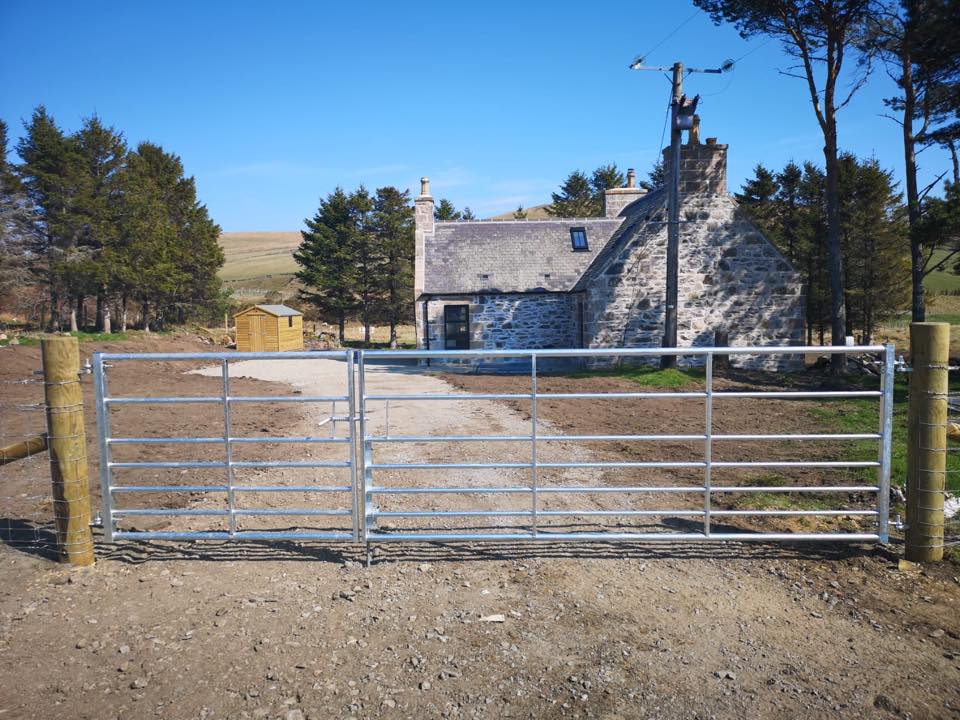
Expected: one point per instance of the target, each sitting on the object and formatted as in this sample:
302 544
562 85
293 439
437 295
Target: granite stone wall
512 321
731 278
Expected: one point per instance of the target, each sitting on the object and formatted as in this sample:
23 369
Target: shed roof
277 310
511 255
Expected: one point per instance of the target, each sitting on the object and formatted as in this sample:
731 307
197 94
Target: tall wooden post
927 440
673 225
68 449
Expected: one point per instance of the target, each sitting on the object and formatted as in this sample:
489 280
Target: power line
753 50
666 117
672 32
733 69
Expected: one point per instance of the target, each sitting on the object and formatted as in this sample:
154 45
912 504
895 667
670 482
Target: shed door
256 333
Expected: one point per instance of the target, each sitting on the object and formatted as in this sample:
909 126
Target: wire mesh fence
951 484
27 513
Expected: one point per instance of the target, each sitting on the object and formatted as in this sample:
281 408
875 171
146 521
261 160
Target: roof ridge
531 220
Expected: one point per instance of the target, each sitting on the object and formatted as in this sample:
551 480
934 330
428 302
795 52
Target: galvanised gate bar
413 479
535 491
230 487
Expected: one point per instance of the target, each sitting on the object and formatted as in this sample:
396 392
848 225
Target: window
456 327
289 321
578 238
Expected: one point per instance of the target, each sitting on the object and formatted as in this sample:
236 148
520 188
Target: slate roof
277 310
651 206
511 255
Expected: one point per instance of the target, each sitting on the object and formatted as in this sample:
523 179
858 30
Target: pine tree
394 230
519 213
167 254
15 225
875 254
819 35
657 177
103 154
51 172
575 199
367 257
758 193
604 178
446 212
326 258
467 215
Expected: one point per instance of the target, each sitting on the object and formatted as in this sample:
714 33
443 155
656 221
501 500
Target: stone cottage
599 282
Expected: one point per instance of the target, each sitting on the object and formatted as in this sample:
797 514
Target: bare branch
928 188
859 84
940 263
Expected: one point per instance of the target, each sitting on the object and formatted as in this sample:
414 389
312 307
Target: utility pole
681 118
673 221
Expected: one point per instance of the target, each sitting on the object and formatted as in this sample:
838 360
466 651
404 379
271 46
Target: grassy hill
259 262
943 281
537 212
255 254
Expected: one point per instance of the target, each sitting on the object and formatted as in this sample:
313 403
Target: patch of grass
22 340
862 416
786 501
373 345
84 336
650 376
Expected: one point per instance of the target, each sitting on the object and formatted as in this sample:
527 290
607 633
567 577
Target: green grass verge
649 376
859 416
21 340
944 280
84 336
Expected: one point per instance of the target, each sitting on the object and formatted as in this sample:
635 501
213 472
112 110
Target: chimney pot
711 141
631 178
424 187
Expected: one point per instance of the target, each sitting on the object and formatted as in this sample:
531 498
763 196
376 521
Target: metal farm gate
435 486
228 488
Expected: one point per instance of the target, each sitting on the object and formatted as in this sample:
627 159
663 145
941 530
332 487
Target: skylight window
578 238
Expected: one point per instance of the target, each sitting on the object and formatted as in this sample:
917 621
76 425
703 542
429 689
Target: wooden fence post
68 448
927 440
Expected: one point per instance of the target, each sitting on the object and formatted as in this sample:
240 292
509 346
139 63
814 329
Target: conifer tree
325 255
605 177
575 199
820 36
394 230
759 192
446 212
51 173
367 257
15 225
655 178
103 154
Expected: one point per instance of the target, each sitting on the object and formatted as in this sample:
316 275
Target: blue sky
272 105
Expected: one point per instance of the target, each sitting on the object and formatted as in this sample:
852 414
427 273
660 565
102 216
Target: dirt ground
305 630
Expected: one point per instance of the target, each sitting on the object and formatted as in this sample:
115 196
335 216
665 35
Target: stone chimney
616 199
703 168
424 225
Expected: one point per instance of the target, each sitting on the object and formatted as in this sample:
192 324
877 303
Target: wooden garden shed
269 328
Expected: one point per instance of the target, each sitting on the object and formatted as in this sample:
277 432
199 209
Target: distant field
537 212
251 255
940 281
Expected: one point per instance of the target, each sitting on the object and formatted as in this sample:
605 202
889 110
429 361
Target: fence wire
27 512
951 484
